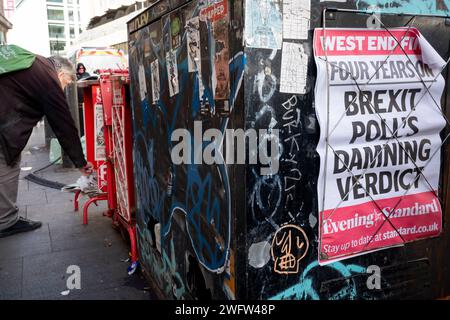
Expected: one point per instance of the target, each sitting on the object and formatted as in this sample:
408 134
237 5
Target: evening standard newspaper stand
350 103
96 142
107 118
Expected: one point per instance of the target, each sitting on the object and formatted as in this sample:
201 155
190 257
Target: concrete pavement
34 265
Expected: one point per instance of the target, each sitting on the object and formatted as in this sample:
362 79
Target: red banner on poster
215 12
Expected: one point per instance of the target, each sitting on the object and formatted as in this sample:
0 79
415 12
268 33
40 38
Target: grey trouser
9 185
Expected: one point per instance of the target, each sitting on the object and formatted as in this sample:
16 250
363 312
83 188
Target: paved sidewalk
34 265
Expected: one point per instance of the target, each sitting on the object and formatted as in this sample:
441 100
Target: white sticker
296 19
294 69
193 44
147 48
263 24
142 83
99 124
172 71
155 81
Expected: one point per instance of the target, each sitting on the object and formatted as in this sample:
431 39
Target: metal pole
385 13
72 100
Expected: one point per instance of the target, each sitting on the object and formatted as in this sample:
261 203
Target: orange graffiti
290 245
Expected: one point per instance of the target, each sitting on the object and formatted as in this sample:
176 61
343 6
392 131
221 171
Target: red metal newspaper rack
95 141
108 130
119 124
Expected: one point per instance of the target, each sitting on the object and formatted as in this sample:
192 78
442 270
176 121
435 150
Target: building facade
98 8
55 25
5 25
110 28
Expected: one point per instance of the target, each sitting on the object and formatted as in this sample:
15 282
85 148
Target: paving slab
46 275
11 279
26 244
33 197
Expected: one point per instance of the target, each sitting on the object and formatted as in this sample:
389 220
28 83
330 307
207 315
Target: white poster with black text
378 103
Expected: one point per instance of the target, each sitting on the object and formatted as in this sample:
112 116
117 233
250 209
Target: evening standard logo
415 210
368 221
213 147
330 226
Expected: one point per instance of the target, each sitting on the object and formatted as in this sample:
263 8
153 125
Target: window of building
57 47
71 16
72 32
55 14
56 31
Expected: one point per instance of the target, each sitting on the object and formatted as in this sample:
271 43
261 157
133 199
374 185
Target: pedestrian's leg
9 186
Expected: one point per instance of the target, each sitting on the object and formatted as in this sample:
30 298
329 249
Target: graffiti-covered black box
239 109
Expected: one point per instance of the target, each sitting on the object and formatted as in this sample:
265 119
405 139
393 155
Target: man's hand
87 170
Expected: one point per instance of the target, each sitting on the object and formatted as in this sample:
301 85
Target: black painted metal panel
216 224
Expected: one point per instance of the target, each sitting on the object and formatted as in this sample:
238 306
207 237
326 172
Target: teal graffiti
163 267
305 289
432 7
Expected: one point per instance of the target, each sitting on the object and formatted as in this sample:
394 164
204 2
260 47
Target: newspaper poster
378 106
100 143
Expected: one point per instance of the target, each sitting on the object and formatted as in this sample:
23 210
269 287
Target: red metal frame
122 149
77 197
110 92
93 98
106 92
123 159
102 197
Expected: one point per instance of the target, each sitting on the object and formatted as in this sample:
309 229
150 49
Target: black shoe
23 225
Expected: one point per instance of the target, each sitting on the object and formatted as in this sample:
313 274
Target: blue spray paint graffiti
305 289
212 255
436 7
206 197
149 195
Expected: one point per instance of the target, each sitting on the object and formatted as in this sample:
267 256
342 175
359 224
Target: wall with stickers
227 231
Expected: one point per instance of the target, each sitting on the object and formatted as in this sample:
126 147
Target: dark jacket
25 97
83 75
